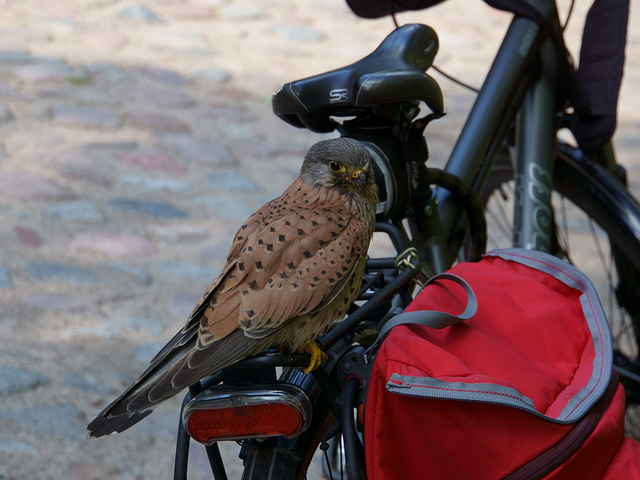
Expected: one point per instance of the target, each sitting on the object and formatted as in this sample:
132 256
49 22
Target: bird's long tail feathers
168 374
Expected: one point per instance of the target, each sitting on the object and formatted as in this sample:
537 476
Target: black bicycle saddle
395 71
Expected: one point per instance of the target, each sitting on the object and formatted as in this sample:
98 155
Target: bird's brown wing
295 264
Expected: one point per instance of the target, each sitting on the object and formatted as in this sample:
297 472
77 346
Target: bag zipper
554 457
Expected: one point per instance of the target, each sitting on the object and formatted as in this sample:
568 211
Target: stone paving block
13 447
63 303
156 122
112 244
238 11
138 11
6 115
82 95
212 74
87 117
236 115
5 277
183 304
74 303
179 233
6 91
204 151
202 274
126 272
146 351
16 380
149 208
28 236
76 211
116 328
58 421
49 72
233 182
164 75
185 11
181 42
159 97
153 161
154 184
58 25
86 471
49 271
100 43
110 72
18 184
109 147
81 382
239 134
15 57
76 165
226 208
296 33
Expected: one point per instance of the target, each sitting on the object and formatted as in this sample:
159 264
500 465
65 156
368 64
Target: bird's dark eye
336 167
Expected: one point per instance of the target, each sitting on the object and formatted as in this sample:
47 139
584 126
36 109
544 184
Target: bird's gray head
341 164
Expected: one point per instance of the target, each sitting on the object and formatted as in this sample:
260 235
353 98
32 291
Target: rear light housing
248 411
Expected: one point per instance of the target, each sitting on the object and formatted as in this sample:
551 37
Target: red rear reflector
231 413
260 421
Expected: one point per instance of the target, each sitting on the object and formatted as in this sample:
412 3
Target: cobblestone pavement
134 140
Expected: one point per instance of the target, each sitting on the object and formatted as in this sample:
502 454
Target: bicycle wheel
597 230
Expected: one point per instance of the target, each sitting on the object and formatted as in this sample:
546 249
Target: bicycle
507 154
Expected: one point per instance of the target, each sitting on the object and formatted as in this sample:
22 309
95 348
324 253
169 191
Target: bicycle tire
612 215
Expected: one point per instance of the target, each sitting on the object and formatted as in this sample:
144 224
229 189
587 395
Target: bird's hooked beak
359 178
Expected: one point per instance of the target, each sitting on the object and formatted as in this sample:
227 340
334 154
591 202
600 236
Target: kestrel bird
294 268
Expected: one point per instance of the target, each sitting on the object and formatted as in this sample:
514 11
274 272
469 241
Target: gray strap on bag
430 318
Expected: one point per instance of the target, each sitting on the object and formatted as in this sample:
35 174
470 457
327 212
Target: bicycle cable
566 22
451 77
455 80
466 85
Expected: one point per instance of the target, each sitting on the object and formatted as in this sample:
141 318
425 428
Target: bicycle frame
526 69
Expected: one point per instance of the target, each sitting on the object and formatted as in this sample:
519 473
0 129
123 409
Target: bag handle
430 318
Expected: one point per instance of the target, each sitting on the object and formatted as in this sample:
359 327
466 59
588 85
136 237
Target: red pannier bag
520 385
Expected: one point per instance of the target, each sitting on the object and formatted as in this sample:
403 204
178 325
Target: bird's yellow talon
317 357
